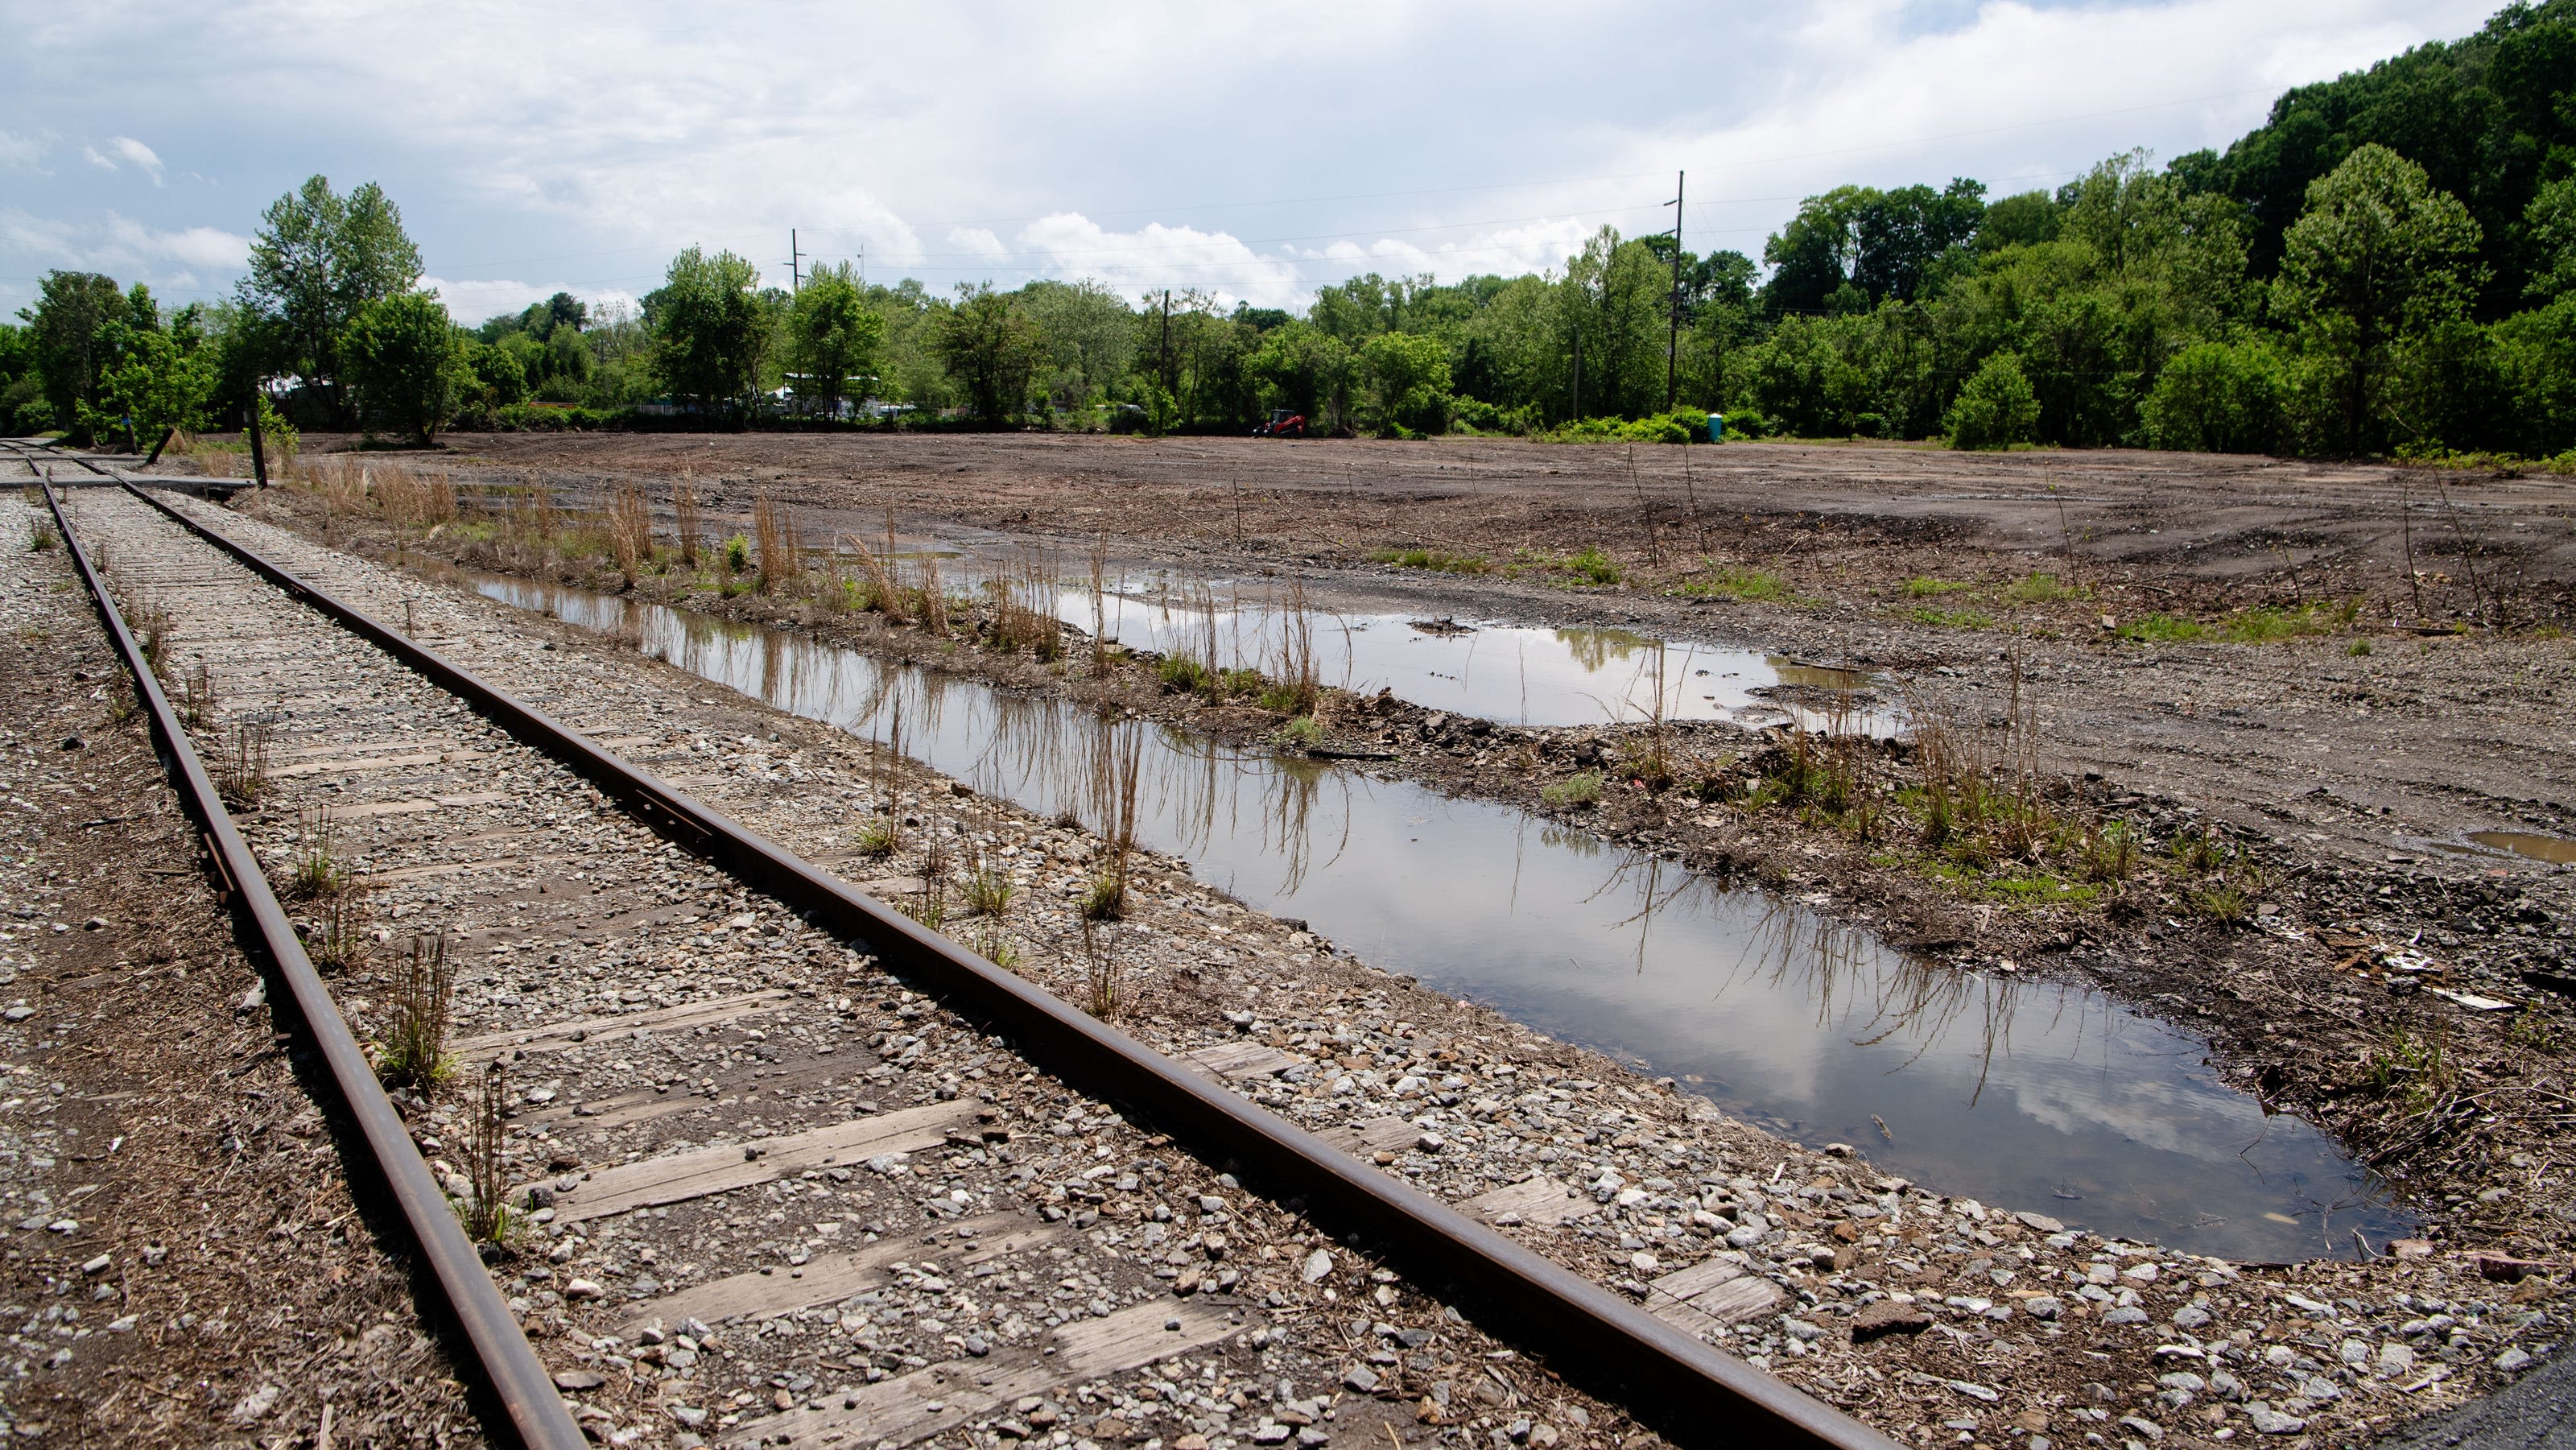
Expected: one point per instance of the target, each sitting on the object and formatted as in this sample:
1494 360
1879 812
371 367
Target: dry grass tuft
414 1053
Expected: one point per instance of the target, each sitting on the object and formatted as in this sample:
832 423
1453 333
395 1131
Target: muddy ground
2340 763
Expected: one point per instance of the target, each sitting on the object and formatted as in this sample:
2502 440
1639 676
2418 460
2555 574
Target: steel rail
516 1378
1691 1393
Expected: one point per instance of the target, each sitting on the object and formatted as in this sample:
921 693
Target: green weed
1439 561
876 839
1727 582
1305 732
2161 629
2044 589
1950 618
1924 587
1575 790
1590 566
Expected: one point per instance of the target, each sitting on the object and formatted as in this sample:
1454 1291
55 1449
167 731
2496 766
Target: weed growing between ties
318 872
241 774
487 1211
414 1051
339 940
197 709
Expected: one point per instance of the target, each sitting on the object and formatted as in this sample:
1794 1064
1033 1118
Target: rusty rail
511 1370
1692 1393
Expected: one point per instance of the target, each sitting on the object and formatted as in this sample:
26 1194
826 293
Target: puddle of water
2028 1095
2528 843
1507 673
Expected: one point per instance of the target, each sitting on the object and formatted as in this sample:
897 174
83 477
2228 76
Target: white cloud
124 248
122 152
945 145
21 153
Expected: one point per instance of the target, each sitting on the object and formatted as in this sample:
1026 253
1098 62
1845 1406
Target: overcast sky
1252 151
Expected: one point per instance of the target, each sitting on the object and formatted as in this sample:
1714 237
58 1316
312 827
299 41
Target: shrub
1997 407
2216 397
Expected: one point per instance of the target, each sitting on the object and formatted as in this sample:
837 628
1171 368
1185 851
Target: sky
1251 151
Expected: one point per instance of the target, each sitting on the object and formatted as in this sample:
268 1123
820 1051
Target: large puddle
1507 673
2024 1094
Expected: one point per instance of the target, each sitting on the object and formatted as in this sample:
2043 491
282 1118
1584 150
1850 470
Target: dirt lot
2223 662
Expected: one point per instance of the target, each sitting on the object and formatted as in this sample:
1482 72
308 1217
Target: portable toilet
1717 427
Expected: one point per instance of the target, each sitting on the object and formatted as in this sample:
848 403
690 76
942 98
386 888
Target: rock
2507 1270
1976 1391
1318 1265
1887 1317
1360 1379
2410 1248
582 1289
579 1379
2512 1359
2127 1314
2269 1421
2144 1426
2043 1306
2041 1223
255 1405
2190 1316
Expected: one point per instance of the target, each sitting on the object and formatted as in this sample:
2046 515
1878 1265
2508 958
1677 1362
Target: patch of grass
989 891
737 555
318 872
1305 732
2196 851
1727 582
876 839
1950 618
2161 629
2270 622
2358 648
2414 1067
2045 589
1575 790
487 1212
1181 673
1439 561
2226 903
1225 684
2110 853
1589 566
1106 900
1926 587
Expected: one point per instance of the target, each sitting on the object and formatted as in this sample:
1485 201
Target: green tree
2549 240
1405 386
73 347
2378 256
408 364
709 330
318 261
1996 408
990 348
2217 397
163 379
1303 368
836 336
1089 335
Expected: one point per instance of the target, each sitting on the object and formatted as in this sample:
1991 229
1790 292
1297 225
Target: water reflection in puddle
2028 1095
1508 673
2528 843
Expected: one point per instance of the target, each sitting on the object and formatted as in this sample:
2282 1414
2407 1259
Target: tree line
2388 263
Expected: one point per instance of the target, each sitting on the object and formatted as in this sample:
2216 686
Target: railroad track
788 1167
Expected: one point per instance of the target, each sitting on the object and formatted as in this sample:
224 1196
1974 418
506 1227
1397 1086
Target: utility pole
1673 349
258 446
795 265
